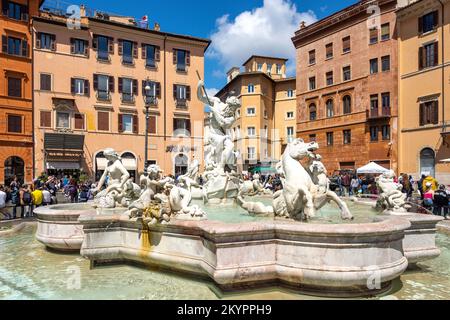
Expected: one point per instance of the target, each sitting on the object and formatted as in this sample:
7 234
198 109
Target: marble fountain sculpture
158 225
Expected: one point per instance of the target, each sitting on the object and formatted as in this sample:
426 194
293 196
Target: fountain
163 223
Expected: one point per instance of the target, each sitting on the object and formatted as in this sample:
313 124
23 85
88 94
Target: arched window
312 112
347 101
181 164
330 108
428 162
14 166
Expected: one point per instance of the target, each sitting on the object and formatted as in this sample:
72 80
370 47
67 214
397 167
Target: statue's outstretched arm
210 102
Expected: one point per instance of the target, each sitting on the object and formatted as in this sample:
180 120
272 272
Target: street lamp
148 100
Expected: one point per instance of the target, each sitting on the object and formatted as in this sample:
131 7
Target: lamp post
147 99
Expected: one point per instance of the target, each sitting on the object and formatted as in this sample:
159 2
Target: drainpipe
33 120
444 127
165 90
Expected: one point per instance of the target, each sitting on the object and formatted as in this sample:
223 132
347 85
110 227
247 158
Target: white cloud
211 91
266 30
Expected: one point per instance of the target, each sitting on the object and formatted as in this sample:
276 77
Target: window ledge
329 58
424 34
347 52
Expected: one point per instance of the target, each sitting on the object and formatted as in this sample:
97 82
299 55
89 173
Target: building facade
93 85
424 80
347 94
266 121
16 78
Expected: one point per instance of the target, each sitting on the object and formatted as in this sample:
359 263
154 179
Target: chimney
157 27
302 25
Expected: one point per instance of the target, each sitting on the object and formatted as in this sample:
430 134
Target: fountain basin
337 260
59 228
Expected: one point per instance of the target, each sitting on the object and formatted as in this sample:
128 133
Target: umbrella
372 168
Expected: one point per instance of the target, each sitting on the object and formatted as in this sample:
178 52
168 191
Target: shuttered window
347 136
15 46
46 82
385 63
428 22
373 35
346 46
385 32
128 123
79 46
429 55
46 119
329 51
103 121
312 57
151 54
14 87
79 121
104 47
429 113
152 124
14 10
182 58
329 78
46 41
14 124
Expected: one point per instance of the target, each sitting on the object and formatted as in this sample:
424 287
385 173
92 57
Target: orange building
16 95
347 85
90 94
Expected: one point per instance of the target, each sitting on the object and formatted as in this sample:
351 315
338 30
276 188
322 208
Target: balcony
128 98
181 104
378 113
103 96
150 101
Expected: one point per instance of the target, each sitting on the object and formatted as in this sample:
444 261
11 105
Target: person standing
26 201
354 185
15 198
38 199
346 183
47 197
72 191
440 202
428 196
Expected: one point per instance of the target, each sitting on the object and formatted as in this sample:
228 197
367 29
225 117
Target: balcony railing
181 104
375 113
103 96
151 101
128 98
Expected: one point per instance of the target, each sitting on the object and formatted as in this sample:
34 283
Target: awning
267 170
372 168
129 164
63 166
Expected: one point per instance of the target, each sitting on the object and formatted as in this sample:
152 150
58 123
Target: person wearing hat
428 196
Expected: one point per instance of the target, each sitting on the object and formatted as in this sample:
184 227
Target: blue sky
237 28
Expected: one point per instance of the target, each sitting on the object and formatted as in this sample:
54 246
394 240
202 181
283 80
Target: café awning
372 168
53 165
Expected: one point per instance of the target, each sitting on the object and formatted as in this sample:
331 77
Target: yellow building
424 83
267 119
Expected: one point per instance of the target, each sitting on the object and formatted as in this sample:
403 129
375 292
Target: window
373 35
290 93
79 86
14 10
290 115
46 82
181 126
428 22
312 138
329 77
346 46
152 125
251 111
347 136
347 101
79 121
151 54
290 132
312 112
62 120
127 123
154 92
373 134
250 88
385 32
260 67
374 66
279 68
312 83
104 46
182 59
385 63
266 115
330 138
251 131
14 87
14 124
386 103
330 108
428 55
181 94
329 51
104 86
103 121
312 57
374 105
128 50
251 152
269 69
79 46
128 89
46 41
15 46
46 119
347 73
428 113
386 132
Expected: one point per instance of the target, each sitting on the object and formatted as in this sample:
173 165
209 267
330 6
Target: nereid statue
391 196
